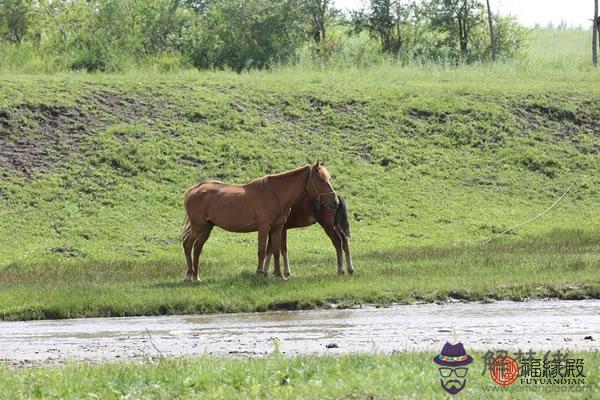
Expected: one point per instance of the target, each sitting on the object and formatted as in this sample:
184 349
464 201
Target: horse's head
319 186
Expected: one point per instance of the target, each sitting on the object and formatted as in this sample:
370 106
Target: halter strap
310 178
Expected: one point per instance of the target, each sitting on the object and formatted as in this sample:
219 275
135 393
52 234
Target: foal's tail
341 218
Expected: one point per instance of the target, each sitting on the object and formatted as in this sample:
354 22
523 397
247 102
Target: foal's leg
276 248
337 243
347 251
263 235
286 265
202 238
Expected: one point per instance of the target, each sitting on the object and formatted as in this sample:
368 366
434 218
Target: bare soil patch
33 137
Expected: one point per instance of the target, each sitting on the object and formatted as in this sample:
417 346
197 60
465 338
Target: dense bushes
113 35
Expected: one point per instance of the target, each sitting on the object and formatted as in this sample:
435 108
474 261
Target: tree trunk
463 30
492 32
596 32
322 16
598 27
463 38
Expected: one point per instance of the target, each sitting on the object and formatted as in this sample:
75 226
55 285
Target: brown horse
335 223
262 205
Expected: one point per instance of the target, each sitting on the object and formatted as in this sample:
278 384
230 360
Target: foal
334 221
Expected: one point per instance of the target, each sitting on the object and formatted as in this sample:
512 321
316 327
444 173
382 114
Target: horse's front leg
268 257
263 235
276 248
286 265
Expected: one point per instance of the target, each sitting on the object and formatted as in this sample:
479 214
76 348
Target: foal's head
319 186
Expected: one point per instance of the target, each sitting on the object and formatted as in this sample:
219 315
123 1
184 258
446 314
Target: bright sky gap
575 13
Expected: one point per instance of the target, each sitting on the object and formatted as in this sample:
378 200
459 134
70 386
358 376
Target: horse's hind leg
198 244
188 244
277 269
347 251
275 237
337 243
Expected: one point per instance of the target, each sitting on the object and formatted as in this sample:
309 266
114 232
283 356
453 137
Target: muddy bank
538 325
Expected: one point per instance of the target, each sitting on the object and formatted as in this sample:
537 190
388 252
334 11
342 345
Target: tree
161 21
14 19
245 34
457 18
318 11
383 20
492 33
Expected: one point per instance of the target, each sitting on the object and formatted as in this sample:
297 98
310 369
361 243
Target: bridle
318 199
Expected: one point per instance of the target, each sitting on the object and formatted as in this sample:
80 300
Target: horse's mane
323 172
284 174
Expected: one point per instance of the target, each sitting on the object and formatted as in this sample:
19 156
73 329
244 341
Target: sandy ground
537 325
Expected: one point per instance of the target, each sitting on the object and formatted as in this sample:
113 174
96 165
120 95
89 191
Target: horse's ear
318 163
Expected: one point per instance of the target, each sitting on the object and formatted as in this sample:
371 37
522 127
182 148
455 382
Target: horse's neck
290 186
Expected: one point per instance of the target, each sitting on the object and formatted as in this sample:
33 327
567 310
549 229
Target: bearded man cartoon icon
453 360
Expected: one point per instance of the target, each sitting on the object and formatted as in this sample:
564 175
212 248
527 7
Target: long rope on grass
532 219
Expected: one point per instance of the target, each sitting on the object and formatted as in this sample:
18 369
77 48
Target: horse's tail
341 218
186 228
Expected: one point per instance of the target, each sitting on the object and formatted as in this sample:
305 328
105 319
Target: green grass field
405 375
432 160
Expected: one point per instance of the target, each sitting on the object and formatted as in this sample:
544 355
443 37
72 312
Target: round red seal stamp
504 371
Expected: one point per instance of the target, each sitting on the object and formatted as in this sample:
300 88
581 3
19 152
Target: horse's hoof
261 273
282 277
279 274
341 272
351 271
287 275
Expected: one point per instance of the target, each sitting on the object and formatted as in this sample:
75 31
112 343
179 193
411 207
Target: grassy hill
432 161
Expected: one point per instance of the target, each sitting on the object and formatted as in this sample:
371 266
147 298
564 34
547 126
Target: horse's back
213 187
231 207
